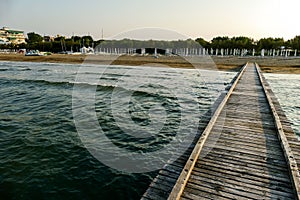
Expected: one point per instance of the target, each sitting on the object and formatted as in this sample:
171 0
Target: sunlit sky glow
194 18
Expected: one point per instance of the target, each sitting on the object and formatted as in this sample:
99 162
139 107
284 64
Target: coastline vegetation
73 44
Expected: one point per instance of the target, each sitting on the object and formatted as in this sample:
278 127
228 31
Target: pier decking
247 150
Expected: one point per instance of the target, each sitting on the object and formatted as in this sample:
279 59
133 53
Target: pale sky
193 18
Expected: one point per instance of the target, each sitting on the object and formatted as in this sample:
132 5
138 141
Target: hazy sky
194 18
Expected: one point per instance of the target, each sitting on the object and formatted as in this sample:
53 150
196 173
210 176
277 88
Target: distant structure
9 36
48 38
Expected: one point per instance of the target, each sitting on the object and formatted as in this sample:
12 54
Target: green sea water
41 153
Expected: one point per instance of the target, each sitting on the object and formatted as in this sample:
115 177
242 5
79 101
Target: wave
100 87
16 69
43 70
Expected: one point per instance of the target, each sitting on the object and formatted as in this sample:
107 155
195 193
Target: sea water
41 153
286 88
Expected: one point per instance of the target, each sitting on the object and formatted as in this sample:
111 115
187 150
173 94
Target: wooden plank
248 153
267 187
239 128
250 138
205 194
196 188
242 170
292 164
182 180
272 132
248 163
255 160
230 142
232 188
248 123
257 139
155 194
248 166
253 151
243 177
240 154
245 114
247 128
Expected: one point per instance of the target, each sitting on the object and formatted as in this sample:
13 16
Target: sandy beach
281 65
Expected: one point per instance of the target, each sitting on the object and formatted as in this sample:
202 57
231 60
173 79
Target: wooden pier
246 150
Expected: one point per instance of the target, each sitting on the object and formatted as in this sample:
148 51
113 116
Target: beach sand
281 65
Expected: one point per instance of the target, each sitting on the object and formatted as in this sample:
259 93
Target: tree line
35 41
75 43
249 43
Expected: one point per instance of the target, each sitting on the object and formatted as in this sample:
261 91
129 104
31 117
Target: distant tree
294 43
34 37
60 38
203 43
22 46
221 42
87 40
242 42
76 38
98 42
270 43
191 43
47 46
61 43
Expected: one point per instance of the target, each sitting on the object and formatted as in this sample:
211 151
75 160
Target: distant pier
245 150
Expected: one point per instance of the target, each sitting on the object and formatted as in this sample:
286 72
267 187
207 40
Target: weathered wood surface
247 150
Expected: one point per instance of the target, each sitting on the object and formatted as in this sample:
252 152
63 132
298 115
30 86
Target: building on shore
9 36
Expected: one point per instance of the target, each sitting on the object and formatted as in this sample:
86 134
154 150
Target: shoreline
279 65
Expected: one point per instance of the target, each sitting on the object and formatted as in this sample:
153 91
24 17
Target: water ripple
41 155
